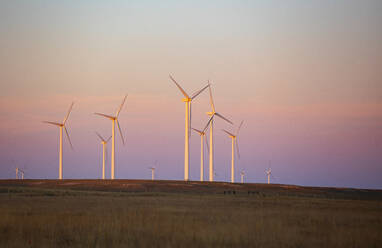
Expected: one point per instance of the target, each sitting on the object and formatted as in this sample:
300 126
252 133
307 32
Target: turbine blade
67 115
230 134
223 118
120 107
198 92
67 135
108 139
53 123
120 132
107 116
208 146
100 136
237 148
208 123
180 88
237 132
211 99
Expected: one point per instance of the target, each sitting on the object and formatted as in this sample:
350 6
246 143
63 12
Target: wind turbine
187 99
62 126
114 119
104 151
242 176
269 173
213 113
202 139
22 174
234 141
19 171
153 171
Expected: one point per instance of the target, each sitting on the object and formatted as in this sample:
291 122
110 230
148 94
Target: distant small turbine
152 173
187 99
242 176
22 174
153 170
114 120
269 173
62 126
104 152
202 139
19 171
234 141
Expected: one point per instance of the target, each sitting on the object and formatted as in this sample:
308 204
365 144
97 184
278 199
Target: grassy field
54 214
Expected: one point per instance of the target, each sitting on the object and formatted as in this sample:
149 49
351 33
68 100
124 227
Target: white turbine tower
22 174
17 173
114 119
152 173
202 139
187 99
153 170
104 152
62 126
213 113
242 176
234 141
269 173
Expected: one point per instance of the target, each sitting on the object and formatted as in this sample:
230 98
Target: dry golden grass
36 217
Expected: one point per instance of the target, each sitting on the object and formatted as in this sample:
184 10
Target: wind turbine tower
234 142
269 173
153 170
187 99
104 152
213 113
152 173
242 176
202 139
114 120
62 127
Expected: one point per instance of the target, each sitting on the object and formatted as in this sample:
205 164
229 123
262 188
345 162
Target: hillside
168 186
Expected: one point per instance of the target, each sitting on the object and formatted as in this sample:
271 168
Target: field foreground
140 213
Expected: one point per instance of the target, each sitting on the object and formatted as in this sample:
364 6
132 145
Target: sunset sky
305 76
